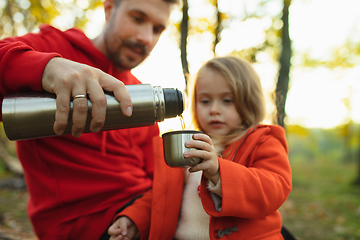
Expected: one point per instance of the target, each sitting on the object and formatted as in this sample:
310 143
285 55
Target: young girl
244 177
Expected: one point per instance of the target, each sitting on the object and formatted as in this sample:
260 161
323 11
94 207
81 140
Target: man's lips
137 50
135 47
134 52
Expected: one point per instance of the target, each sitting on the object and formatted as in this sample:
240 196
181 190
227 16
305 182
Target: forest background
307 53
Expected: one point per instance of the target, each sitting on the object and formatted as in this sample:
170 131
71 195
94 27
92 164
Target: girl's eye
228 100
204 101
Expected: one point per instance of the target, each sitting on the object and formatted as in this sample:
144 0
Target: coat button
219 233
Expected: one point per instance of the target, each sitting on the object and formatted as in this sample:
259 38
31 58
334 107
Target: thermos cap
174 103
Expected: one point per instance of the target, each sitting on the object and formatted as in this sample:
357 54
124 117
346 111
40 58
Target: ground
14 222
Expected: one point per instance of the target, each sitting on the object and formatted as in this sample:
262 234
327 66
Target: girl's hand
123 229
206 151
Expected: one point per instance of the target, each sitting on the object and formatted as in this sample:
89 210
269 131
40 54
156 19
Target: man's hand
67 79
123 229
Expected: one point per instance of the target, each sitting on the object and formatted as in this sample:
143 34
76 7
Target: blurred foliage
323 144
201 27
346 55
18 17
271 44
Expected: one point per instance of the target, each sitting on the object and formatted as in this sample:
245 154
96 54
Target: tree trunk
283 79
218 27
183 41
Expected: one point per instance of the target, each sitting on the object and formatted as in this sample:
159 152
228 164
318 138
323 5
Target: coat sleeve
253 191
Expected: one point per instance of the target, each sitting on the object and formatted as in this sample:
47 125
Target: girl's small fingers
194 168
195 154
198 144
116 237
203 137
209 170
117 228
203 166
113 231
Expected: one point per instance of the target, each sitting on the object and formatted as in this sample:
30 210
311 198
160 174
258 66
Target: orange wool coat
254 185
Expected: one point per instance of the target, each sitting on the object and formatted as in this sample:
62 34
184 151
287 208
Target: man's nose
145 35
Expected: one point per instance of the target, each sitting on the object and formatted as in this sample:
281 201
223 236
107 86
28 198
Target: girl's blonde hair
246 88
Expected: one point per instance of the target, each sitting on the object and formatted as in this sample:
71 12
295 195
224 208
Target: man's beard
115 54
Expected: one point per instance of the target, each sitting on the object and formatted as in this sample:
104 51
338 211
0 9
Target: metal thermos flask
27 115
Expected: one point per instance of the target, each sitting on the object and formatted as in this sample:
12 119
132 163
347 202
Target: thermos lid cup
174 148
174 103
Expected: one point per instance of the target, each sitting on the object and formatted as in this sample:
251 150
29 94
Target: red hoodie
75 184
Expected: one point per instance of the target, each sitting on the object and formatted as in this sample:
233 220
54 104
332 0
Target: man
77 183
